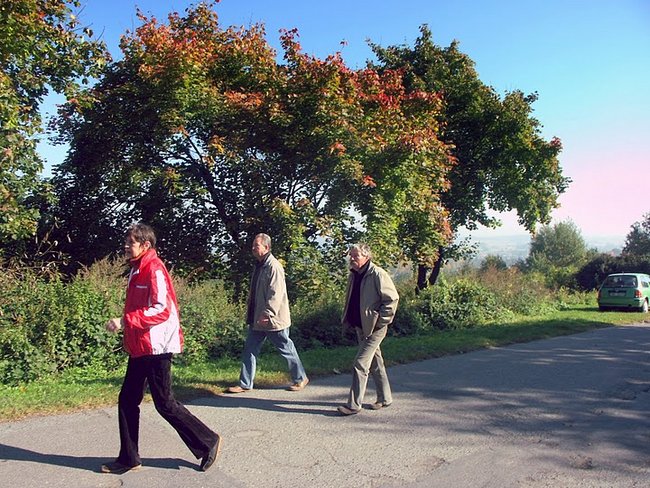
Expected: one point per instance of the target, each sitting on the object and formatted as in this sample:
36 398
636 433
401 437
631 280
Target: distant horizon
602 242
494 233
515 247
510 227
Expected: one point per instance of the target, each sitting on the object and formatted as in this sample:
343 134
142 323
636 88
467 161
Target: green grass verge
81 389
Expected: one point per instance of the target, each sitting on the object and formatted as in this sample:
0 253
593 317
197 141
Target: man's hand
114 325
264 320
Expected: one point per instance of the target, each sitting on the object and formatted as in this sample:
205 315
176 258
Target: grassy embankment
81 389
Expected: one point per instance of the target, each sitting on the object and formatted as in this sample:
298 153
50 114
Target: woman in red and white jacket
151 322
152 334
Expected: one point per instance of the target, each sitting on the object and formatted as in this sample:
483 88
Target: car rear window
621 281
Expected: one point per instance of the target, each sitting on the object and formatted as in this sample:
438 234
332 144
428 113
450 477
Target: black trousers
156 370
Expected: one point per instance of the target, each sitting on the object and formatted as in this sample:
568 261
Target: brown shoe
117 467
343 410
378 405
237 389
298 386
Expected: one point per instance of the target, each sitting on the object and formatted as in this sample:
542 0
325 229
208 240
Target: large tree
199 130
637 241
42 47
502 162
560 245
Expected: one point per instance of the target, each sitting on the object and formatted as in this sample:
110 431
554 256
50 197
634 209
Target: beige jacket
378 299
271 297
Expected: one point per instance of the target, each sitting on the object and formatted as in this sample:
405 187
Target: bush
566 298
477 297
47 326
592 274
318 324
517 292
213 326
409 320
461 304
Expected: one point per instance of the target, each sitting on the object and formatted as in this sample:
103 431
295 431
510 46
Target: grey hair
362 248
266 239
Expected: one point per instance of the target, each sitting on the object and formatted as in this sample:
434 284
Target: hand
264 320
114 325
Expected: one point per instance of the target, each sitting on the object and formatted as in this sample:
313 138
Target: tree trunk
422 278
433 277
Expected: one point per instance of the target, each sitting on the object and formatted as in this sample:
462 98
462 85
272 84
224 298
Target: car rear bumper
621 302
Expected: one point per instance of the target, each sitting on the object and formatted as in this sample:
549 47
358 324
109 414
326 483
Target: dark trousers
156 370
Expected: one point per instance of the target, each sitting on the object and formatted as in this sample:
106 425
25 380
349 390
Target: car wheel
602 308
644 307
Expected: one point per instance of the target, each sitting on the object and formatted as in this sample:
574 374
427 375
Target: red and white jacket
151 319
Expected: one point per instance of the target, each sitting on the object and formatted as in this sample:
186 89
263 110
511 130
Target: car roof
628 274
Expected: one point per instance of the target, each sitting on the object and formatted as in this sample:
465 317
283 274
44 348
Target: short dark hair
142 233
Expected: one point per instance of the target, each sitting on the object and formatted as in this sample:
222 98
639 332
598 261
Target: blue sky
589 61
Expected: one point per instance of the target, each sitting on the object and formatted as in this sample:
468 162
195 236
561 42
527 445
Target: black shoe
209 459
117 467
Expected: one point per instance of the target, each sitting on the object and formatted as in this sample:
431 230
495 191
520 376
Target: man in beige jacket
268 317
370 306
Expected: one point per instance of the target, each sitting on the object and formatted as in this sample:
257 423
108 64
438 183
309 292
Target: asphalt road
566 412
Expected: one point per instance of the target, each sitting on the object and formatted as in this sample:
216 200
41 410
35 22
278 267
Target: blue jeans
280 339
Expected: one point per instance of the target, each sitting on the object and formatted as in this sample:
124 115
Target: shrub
517 292
409 320
318 323
108 278
213 326
592 274
493 261
566 298
47 326
461 304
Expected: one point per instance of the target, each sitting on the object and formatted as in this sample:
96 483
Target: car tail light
637 294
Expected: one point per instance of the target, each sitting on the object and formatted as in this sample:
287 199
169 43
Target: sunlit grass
86 388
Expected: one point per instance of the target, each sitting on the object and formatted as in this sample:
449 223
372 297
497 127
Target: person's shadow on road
89 463
242 400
